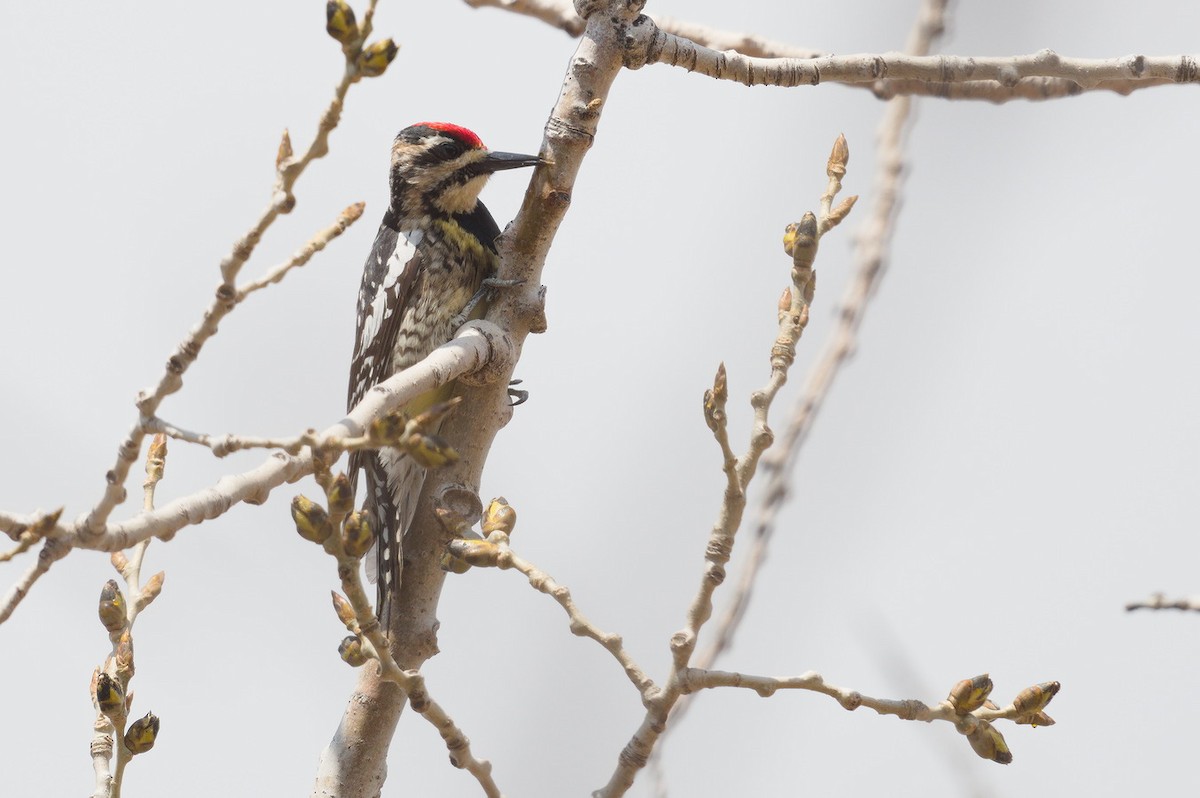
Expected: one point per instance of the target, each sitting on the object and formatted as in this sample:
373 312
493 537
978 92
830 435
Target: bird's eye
449 149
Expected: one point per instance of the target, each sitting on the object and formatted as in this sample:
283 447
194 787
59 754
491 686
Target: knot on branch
501 357
643 42
585 8
461 502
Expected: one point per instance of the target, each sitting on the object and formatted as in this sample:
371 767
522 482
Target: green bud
351 651
312 522
109 694
112 607
340 22
142 733
357 535
374 59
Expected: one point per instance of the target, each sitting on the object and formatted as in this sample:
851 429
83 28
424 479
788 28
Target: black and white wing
389 277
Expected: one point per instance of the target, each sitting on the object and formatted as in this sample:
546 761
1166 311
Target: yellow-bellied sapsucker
433 251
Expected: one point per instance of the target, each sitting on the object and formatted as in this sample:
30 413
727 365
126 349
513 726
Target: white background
1010 457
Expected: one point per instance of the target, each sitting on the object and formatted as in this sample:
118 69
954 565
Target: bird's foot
486 290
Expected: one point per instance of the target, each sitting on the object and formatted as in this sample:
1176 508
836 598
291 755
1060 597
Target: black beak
499 161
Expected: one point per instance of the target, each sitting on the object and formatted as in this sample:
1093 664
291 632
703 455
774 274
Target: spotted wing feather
389 276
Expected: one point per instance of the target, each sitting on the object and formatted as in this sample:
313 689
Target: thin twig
801 242
302 256
287 172
872 245
25 541
1033 89
477 343
51 552
556 13
694 679
108 739
222 445
649 44
366 626
496 552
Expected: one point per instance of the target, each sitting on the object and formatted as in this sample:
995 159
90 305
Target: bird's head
440 168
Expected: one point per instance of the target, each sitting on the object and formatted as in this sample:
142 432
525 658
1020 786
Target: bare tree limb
473 346
750 44
288 170
561 15
555 13
368 643
801 241
477 344
303 255
110 685
649 44
872 244
1035 88
694 679
51 552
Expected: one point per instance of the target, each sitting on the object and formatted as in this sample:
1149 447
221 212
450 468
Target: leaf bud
453 564
499 517
838 158
357 535
150 590
142 734
345 612
374 59
986 741
340 22
969 694
312 522
387 429
112 607
430 451
340 496
351 651
475 552
1033 700
109 695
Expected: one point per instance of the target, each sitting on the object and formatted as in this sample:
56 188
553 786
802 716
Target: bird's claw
515 395
486 290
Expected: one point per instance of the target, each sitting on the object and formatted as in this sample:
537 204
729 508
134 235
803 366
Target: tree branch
801 241
495 552
469 351
368 643
871 252
287 170
649 44
562 16
476 344
694 679
303 255
554 13
51 552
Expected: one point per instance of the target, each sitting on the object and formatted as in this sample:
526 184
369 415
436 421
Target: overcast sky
1010 457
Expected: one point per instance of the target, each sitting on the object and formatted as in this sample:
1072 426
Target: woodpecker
434 249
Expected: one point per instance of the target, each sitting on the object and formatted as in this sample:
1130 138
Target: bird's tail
395 502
